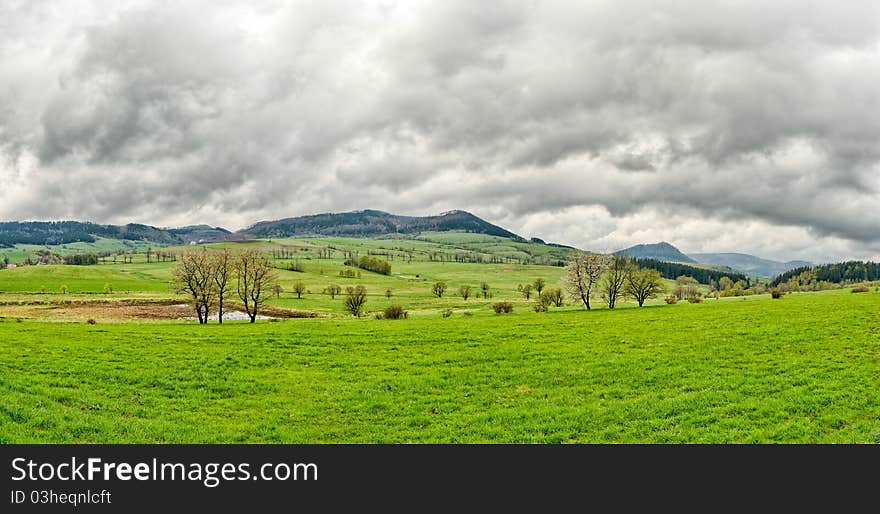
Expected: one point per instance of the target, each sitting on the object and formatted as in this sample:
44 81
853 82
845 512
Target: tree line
673 270
837 273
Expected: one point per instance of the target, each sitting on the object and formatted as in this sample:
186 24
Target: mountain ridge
661 251
750 264
363 223
741 262
372 223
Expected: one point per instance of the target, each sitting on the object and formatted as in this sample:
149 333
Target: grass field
805 368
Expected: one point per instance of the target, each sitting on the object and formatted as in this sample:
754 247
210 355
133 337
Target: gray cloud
717 126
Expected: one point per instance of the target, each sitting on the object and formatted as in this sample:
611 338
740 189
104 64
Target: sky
718 126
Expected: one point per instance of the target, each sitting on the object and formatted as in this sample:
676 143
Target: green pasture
804 368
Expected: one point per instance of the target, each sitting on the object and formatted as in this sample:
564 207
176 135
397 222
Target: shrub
671 299
776 293
447 313
553 296
502 307
695 299
333 290
395 312
91 321
540 306
108 288
467 314
388 294
378 315
860 289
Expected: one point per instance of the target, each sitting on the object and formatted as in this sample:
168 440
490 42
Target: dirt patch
128 309
124 310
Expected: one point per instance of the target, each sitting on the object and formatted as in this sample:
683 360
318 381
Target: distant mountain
749 263
370 223
662 251
200 233
63 232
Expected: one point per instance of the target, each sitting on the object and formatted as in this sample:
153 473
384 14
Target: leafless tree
582 273
221 262
465 292
194 275
644 284
526 291
299 288
355 299
614 279
256 276
438 289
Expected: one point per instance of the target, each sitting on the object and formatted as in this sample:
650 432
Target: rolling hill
370 223
662 251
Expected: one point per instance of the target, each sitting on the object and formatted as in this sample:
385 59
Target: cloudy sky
716 125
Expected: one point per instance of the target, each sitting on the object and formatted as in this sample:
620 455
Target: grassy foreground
805 368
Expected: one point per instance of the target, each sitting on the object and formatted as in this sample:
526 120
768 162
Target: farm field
804 368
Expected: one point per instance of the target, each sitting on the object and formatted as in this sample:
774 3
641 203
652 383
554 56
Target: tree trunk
220 310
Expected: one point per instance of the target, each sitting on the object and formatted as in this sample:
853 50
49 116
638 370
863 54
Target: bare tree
256 276
194 275
221 262
299 288
526 291
615 278
485 289
582 273
355 299
278 290
438 289
643 284
465 292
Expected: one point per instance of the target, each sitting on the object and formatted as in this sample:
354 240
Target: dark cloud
719 126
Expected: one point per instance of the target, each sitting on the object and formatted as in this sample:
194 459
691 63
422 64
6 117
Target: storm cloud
717 126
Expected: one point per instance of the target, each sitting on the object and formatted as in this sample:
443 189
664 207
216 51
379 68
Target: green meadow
805 368
801 369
